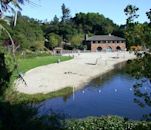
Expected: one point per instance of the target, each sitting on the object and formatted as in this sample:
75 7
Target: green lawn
30 63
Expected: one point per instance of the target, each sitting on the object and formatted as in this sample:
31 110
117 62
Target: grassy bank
21 98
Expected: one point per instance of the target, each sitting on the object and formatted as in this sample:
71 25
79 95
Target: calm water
110 94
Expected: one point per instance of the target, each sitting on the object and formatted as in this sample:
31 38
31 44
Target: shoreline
76 72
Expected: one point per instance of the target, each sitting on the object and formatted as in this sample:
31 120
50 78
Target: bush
107 123
6 69
30 54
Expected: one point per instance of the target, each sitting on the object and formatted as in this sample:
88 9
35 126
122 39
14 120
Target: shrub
107 123
6 68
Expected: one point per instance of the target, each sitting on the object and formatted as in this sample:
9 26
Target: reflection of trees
119 68
140 68
103 78
143 98
67 96
21 117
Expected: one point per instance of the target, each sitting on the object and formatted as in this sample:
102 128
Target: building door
118 48
99 49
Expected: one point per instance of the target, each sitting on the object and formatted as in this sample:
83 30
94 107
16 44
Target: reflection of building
105 43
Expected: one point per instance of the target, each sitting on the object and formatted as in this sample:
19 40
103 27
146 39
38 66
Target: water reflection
111 94
142 91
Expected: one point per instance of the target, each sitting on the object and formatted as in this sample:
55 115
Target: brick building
105 43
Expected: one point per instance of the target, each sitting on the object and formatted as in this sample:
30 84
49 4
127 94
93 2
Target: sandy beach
77 72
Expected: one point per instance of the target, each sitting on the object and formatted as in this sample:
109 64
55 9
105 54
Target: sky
113 9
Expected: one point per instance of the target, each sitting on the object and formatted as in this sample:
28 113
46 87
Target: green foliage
55 20
107 123
101 123
65 13
28 34
76 40
141 66
136 33
130 11
93 23
21 117
72 29
66 30
6 69
32 54
149 15
21 98
54 40
3 34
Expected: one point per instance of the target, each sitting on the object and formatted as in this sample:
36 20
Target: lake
109 94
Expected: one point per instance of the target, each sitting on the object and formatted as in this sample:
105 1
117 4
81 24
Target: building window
99 41
93 41
118 41
113 41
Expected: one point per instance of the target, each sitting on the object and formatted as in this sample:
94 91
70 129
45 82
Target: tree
94 23
76 40
140 68
65 13
28 34
130 11
55 20
54 40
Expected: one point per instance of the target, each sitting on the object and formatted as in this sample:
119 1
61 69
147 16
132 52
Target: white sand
76 72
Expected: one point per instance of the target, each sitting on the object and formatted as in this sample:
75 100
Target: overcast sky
113 9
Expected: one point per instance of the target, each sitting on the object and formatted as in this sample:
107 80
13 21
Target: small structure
105 43
57 51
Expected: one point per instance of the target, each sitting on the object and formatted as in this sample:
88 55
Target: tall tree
131 12
65 13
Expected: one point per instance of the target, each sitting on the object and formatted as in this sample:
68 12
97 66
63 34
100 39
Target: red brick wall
104 46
